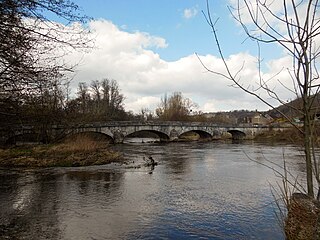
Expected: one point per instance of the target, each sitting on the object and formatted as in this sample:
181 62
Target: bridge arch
216 134
237 134
163 137
203 135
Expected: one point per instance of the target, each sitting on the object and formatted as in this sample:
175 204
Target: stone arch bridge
118 131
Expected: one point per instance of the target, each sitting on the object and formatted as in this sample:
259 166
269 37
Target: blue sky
149 48
185 35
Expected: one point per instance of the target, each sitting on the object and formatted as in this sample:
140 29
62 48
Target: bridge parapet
167 131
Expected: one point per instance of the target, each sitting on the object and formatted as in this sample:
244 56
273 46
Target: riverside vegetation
80 151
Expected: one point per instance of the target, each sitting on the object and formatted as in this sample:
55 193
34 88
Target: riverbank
290 136
78 152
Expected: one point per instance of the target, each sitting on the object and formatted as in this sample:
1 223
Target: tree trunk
307 148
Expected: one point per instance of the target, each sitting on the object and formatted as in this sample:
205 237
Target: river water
198 190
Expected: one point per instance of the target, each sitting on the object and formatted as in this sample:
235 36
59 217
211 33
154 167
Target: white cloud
144 77
190 12
271 17
147 102
243 6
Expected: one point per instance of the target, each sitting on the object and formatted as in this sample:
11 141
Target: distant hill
293 109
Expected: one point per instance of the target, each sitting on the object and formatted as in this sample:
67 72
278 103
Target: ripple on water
198 191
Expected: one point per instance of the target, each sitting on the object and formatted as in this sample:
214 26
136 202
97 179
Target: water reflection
210 185
46 205
28 214
198 190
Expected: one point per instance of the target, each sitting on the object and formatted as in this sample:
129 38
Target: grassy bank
76 152
290 136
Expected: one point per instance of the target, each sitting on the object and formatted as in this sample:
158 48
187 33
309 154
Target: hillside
292 109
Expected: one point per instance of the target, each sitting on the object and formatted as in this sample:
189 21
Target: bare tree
175 108
84 97
101 101
145 114
112 98
116 97
31 47
105 84
96 89
295 27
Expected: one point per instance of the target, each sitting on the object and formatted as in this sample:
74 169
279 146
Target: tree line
100 101
35 82
103 101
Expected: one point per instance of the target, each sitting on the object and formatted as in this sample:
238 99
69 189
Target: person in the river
150 162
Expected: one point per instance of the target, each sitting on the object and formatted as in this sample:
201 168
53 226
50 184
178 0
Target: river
198 190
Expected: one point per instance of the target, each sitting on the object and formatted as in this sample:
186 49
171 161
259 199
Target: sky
150 47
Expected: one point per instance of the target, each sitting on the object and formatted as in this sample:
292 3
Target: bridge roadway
167 131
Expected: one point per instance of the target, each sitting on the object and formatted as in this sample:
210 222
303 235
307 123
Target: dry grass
80 151
302 222
79 143
289 136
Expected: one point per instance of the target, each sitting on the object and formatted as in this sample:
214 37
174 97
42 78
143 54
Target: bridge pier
174 135
118 137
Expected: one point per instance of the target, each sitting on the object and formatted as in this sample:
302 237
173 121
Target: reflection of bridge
167 131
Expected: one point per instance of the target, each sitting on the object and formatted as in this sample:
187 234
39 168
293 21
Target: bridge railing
145 123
